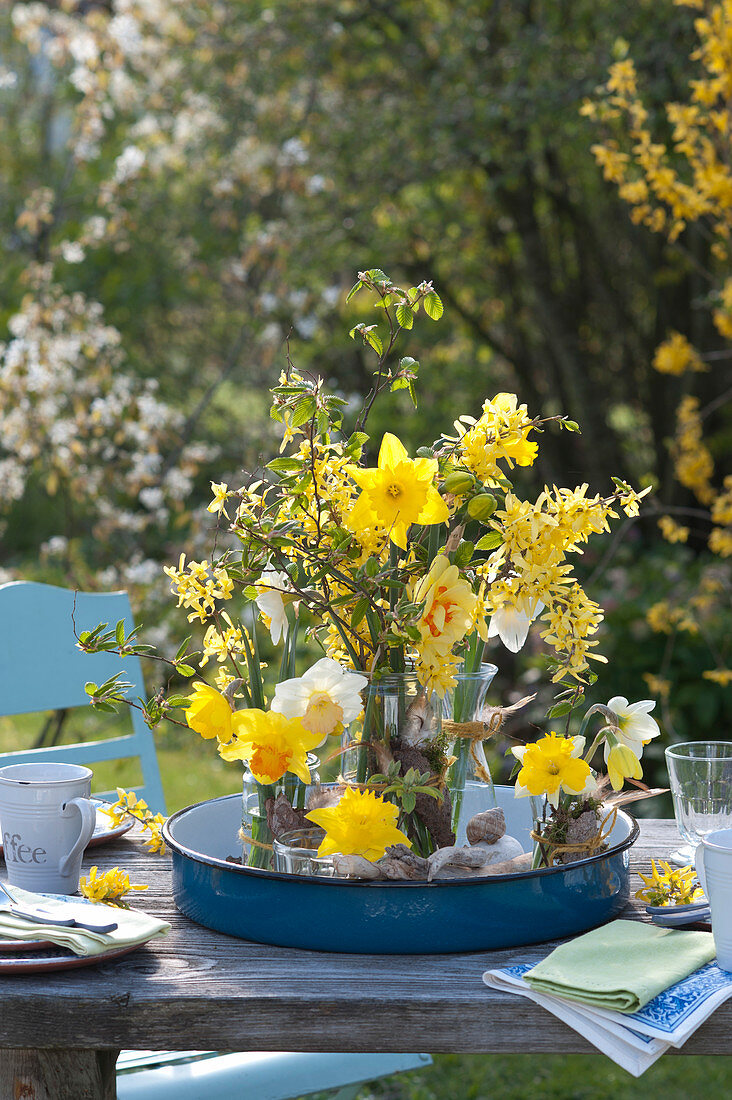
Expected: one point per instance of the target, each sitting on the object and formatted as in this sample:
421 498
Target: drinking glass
700 775
296 853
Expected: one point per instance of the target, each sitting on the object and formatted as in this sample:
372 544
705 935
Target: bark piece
281 817
435 814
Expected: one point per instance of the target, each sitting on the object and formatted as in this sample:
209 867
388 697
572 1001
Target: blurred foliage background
187 190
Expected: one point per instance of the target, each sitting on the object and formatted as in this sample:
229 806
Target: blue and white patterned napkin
634 1040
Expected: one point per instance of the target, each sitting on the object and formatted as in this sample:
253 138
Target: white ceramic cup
47 821
714 868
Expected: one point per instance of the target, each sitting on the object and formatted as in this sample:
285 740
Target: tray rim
362 884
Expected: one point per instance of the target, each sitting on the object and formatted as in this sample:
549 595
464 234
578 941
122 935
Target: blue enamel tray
404 918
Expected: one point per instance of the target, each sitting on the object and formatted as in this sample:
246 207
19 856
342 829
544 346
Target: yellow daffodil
398 493
362 824
209 713
552 765
449 605
271 744
622 763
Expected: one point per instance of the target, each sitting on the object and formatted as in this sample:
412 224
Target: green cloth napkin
621 966
133 927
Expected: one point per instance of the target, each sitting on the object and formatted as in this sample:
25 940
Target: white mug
47 821
714 868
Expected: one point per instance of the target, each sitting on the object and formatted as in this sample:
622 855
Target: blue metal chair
268 1076
42 669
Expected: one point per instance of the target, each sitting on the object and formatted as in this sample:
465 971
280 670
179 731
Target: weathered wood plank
57 1075
199 988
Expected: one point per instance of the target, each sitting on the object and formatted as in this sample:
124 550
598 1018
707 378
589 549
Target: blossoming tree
681 189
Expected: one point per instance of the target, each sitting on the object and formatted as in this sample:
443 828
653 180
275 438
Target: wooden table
198 989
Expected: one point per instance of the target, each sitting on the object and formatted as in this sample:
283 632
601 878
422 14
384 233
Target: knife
62 914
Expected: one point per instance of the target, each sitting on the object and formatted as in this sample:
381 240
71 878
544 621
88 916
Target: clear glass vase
397 712
463 721
256 835
402 722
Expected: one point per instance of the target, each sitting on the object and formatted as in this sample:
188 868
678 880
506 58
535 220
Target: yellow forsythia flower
668 885
109 887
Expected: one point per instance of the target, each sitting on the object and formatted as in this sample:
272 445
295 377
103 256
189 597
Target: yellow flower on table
271 744
552 765
108 886
668 885
398 493
362 824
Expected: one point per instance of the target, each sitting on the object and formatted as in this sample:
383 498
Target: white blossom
72 252
637 727
271 585
512 626
128 163
325 697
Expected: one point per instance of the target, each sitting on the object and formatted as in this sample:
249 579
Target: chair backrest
41 668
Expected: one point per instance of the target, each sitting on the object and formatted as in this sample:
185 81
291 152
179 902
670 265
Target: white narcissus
325 697
271 585
636 726
512 626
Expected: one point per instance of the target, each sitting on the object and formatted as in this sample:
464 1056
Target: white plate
53 958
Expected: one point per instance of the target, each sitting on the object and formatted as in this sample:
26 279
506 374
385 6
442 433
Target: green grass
190 767
192 771
553 1077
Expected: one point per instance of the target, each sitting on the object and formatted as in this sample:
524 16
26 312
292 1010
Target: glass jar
402 722
463 720
398 713
296 853
256 835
